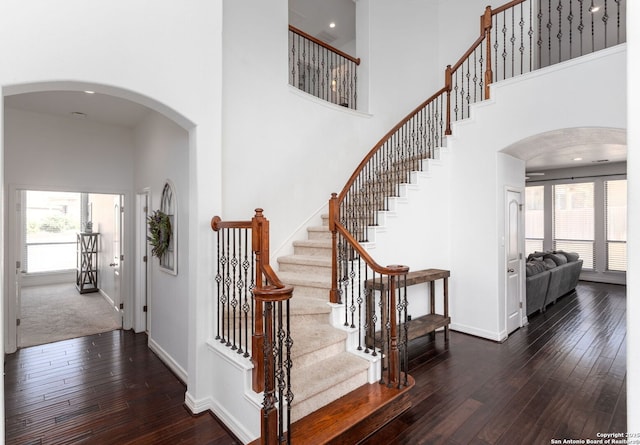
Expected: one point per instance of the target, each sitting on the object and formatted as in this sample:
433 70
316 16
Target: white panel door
513 248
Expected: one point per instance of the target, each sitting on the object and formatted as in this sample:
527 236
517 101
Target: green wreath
159 232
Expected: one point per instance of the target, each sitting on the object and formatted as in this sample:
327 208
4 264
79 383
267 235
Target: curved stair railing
253 308
516 38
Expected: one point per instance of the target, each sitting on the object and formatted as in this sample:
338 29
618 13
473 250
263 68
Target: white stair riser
313 251
317 234
307 406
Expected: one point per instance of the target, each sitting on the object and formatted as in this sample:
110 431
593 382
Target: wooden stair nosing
354 416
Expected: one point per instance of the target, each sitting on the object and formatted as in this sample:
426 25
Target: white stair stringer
412 206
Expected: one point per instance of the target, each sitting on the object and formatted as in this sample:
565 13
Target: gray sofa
550 275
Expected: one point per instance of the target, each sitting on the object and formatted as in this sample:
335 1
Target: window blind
534 218
573 220
616 224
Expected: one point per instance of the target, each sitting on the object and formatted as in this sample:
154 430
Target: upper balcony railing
317 68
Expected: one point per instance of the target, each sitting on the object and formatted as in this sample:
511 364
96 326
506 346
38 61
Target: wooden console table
426 324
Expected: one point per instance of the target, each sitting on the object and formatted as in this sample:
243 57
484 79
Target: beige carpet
59 312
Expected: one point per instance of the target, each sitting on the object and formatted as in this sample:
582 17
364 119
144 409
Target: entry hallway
562 376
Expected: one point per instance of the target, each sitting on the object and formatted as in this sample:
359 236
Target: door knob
510 270
112 264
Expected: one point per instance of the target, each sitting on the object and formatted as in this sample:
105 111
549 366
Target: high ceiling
314 17
96 107
561 149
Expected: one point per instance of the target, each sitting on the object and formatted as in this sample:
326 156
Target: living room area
575 223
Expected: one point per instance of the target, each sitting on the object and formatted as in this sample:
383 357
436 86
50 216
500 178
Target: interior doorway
67 248
514 247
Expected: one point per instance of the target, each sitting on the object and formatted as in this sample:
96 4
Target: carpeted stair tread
308 339
308 305
311 380
305 279
320 243
307 260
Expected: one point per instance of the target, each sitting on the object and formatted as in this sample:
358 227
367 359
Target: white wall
162 152
275 139
633 223
163 56
45 151
517 110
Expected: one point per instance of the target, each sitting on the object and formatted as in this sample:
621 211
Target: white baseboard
178 370
489 335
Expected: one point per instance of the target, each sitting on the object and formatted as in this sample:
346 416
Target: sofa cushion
571 256
557 258
535 267
549 263
536 255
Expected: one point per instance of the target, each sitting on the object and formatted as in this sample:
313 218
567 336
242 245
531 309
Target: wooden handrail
506 6
301 33
383 140
217 224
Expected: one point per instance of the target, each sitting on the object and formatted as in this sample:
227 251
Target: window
573 220
616 224
168 261
52 220
534 219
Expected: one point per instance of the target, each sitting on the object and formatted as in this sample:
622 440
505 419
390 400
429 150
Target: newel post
272 298
334 210
447 85
260 246
486 25
394 352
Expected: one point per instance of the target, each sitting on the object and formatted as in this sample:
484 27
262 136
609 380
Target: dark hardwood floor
102 389
562 376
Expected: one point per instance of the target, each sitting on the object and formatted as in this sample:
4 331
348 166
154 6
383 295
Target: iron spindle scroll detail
249 291
321 70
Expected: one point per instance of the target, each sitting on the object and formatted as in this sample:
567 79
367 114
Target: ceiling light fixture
577 159
593 9
332 25
78 114
89 92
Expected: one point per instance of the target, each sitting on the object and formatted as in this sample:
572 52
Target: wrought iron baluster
593 41
549 26
513 41
618 24
234 286
539 41
605 20
218 284
531 32
581 27
559 35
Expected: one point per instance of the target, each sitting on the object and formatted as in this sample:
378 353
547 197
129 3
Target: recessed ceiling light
78 114
577 159
332 25
593 9
89 92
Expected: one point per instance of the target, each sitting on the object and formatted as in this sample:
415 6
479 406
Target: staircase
337 397
323 368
